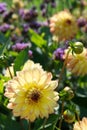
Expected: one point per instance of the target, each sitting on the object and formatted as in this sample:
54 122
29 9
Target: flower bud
69 116
78 47
66 94
69 93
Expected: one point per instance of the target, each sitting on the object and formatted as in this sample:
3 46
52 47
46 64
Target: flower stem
45 120
10 72
60 77
29 125
21 124
60 123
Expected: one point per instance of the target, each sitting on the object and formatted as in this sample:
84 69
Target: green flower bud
66 94
69 93
69 116
77 110
78 47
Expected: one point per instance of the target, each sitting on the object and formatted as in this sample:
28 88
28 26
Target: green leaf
9 123
3 39
37 39
3 47
20 60
3 109
49 123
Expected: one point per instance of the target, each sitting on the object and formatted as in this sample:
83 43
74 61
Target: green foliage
36 39
20 60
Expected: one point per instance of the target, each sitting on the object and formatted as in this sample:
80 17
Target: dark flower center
35 95
68 21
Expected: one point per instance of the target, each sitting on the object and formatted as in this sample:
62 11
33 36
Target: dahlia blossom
31 92
63 26
77 63
81 125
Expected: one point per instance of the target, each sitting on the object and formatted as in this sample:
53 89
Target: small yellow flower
31 92
63 26
18 3
81 125
77 63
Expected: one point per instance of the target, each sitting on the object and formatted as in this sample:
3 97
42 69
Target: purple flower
25 27
2 7
44 12
42 6
35 25
7 15
29 15
5 27
58 54
53 4
20 46
30 53
21 12
81 22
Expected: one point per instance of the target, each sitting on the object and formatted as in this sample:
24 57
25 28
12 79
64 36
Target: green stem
65 62
62 109
45 120
10 72
21 124
63 67
29 127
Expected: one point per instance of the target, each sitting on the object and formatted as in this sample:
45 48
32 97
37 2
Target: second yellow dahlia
77 63
31 93
63 26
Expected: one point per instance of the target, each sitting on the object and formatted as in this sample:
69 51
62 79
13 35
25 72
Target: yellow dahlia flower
18 3
77 63
31 93
63 26
81 125
31 65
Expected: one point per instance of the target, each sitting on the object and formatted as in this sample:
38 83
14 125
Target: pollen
33 96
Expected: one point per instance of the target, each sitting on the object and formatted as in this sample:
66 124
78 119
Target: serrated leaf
37 39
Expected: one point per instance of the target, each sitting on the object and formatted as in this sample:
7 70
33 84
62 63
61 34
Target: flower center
68 21
33 95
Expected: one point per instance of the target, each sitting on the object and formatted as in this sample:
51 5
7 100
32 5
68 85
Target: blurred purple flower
42 6
25 27
20 46
21 12
44 12
2 7
7 15
5 27
53 4
58 54
30 53
35 24
30 15
81 22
